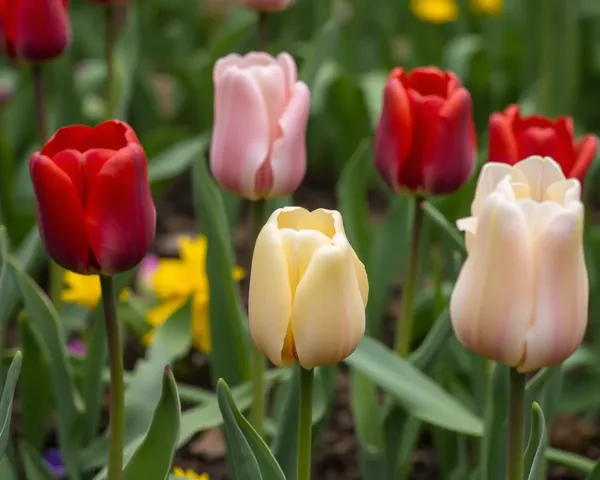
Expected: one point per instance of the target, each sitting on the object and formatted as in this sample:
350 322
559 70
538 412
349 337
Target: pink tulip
261 111
267 5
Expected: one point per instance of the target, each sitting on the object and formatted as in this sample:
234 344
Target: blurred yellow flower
175 280
487 7
435 11
189 474
84 290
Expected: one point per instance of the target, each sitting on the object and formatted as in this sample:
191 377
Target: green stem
305 425
516 415
257 359
263 32
405 318
56 273
110 37
117 396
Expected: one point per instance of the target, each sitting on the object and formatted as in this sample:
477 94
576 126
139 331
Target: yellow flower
83 290
189 474
175 280
435 11
487 7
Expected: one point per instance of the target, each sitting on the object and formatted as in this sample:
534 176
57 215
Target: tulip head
425 139
521 297
513 137
35 30
261 110
94 207
267 5
308 289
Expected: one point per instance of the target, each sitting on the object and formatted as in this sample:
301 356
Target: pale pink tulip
261 111
267 5
522 295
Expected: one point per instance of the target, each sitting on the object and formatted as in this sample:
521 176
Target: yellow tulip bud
308 289
522 295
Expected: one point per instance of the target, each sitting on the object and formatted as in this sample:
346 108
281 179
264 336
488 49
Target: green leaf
46 322
250 455
442 223
173 338
154 456
429 350
7 471
33 464
126 59
536 448
595 473
419 394
176 159
285 443
35 390
228 326
6 401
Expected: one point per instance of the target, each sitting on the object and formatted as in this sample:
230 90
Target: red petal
449 157
60 214
120 215
393 138
71 162
502 141
93 163
66 138
565 149
428 81
513 114
585 153
112 135
537 141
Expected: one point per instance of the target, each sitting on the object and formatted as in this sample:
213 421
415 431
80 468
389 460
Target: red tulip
35 30
425 141
513 138
94 207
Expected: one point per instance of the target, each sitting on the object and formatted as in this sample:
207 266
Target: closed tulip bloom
35 30
308 289
261 111
513 137
521 297
94 207
267 5
425 139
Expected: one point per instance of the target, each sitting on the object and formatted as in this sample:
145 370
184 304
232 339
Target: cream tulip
522 295
308 289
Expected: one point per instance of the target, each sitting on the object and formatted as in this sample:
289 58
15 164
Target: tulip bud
521 297
94 207
35 30
513 137
261 111
267 5
425 140
308 289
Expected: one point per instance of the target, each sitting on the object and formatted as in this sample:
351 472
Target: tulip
521 297
308 289
35 30
94 207
267 5
261 111
513 137
425 140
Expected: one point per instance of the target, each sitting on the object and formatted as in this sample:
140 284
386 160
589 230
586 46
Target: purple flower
54 461
77 348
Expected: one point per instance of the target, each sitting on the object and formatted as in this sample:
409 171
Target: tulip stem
257 360
405 318
117 395
55 272
516 414
305 425
110 38
263 31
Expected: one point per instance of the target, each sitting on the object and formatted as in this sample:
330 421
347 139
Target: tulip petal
502 142
288 157
491 305
449 152
270 295
60 214
490 177
240 142
562 290
120 214
541 172
287 64
585 153
328 317
67 138
225 63
110 135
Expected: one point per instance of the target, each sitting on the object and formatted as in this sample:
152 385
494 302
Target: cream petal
491 304
469 226
328 317
491 175
564 192
270 295
562 290
541 172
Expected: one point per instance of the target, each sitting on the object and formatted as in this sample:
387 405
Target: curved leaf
536 448
6 400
